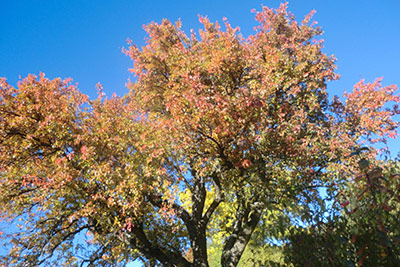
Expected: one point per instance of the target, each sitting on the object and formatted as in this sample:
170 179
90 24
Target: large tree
217 131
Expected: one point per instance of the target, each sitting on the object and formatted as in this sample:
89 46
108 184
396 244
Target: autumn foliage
213 121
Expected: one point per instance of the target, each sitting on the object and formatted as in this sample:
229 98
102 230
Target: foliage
261 250
214 123
367 232
271 256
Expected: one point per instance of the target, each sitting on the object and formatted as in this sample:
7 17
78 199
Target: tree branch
246 221
157 201
153 251
219 197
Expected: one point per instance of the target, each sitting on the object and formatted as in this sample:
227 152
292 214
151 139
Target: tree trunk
246 221
199 248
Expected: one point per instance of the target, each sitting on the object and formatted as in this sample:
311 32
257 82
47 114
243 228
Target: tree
213 122
365 233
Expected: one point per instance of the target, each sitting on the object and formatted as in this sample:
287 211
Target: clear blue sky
83 39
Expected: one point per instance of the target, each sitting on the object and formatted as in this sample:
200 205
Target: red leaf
344 204
353 239
353 210
360 262
246 163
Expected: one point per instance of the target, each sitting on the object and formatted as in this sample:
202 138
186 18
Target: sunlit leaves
219 134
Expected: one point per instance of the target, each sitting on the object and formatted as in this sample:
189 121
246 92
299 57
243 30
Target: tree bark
197 230
246 221
153 251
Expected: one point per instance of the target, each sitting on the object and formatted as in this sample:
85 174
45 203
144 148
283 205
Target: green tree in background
367 231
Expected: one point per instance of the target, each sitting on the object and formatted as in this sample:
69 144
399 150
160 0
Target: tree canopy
218 136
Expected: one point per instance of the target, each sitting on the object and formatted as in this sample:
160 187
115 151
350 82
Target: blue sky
83 39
